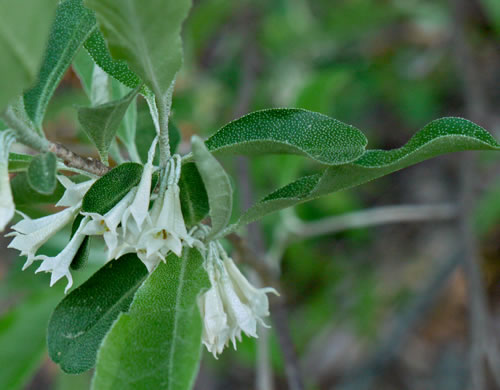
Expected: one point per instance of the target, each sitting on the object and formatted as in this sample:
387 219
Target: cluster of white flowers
131 227
231 305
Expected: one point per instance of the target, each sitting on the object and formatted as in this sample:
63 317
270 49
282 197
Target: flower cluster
150 223
231 305
129 227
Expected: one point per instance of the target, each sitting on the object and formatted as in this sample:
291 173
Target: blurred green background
368 308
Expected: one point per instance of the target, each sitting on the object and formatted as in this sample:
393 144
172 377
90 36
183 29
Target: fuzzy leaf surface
217 185
42 173
106 192
82 319
293 131
146 35
24 31
157 344
102 122
72 26
24 195
19 162
96 47
445 135
194 198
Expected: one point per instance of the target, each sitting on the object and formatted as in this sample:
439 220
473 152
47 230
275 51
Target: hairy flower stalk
231 305
7 207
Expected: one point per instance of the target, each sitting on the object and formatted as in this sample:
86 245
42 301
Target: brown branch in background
250 64
483 341
74 160
364 376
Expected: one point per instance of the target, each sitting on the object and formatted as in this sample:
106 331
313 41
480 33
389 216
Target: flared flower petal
59 265
231 306
216 332
74 191
31 234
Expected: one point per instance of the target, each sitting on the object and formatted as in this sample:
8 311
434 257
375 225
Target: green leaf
217 184
441 136
128 127
24 30
72 26
194 198
22 337
82 319
19 162
106 192
96 47
24 195
102 122
293 131
157 344
83 65
82 255
146 35
42 173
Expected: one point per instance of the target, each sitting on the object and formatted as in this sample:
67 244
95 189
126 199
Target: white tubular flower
165 230
215 328
31 234
232 305
74 191
254 298
7 206
140 205
59 265
107 224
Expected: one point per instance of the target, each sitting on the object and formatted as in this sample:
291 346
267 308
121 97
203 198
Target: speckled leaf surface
71 28
24 31
106 192
217 185
83 65
157 344
146 35
101 123
24 195
82 319
42 173
96 47
19 162
441 136
194 198
293 131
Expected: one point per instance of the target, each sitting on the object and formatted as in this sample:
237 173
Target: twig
75 161
296 229
483 342
362 377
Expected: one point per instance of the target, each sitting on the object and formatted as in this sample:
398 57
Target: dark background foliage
381 307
